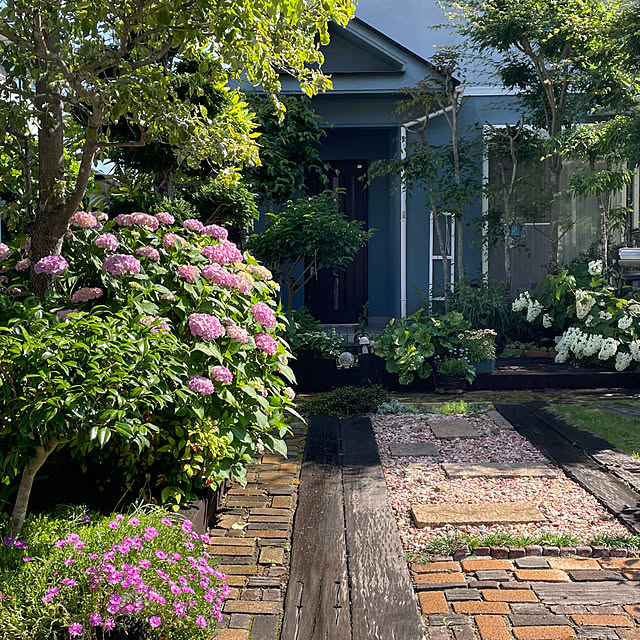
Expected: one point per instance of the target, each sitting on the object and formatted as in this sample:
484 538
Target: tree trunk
556 214
507 265
26 484
444 249
604 231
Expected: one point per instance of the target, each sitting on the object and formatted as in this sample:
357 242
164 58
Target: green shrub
146 575
304 333
347 401
458 367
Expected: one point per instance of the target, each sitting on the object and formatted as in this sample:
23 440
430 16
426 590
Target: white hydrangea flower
589 321
561 356
521 302
625 322
623 360
534 310
608 349
595 267
605 315
547 321
584 303
594 344
634 347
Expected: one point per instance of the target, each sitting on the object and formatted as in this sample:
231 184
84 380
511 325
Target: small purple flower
95 619
155 621
113 524
161 554
201 622
85 518
134 522
75 629
166 522
27 559
113 608
109 624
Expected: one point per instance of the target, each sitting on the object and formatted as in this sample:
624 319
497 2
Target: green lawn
621 431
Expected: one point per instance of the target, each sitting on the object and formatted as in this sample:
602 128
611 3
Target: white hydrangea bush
595 324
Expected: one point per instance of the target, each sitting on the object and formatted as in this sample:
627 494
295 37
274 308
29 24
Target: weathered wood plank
383 605
317 602
540 430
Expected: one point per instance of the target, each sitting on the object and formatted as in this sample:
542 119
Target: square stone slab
434 515
498 470
413 449
456 428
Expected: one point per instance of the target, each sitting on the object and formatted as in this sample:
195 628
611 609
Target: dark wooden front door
340 298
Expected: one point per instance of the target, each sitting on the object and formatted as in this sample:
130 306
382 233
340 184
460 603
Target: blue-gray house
385 48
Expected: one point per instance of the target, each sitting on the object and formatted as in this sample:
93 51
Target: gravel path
421 480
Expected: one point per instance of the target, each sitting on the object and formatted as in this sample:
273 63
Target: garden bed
567 507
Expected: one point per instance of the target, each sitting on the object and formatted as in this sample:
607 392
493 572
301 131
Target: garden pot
484 367
450 385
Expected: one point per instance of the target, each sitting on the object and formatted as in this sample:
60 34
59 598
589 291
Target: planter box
534 353
450 385
202 512
484 367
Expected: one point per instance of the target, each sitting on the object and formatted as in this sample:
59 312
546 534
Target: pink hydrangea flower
5 252
266 343
260 272
188 272
118 264
158 325
51 265
193 225
169 240
22 265
237 333
201 385
215 231
264 315
148 252
85 294
75 629
242 282
217 274
143 220
83 220
123 219
164 217
101 216
222 253
65 312
107 241
221 374
205 326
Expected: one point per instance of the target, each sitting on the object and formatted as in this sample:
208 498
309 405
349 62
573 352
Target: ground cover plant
621 431
145 575
347 401
206 318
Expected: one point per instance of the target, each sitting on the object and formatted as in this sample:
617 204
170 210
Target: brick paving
529 598
252 540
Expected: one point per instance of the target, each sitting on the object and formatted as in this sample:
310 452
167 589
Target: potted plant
481 349
453 373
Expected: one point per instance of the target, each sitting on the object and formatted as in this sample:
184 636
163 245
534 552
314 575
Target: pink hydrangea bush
86 575
219 303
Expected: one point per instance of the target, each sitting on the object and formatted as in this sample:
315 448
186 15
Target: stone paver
416 449
454 428
425 515
497 470
253 529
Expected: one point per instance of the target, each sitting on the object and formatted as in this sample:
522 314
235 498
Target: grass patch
616 542
446 545
621 431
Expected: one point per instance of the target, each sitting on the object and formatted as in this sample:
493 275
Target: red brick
436 578
544 633
492 628
486 565
602 621
271 555
238 569
570 564
542 575
232 634
282 502
620 563
433 602
509 595
633 610
247 606
435 567
474 608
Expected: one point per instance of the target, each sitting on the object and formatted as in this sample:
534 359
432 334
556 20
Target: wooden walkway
348 579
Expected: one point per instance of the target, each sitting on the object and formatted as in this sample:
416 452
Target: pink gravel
421 480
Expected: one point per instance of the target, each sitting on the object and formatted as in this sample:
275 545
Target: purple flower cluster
215 231
148 252
107 241
164 217
138 219
266 343
201 385
119 263
158 325
5 252
222 374
188 272
219 275
205 326
85 294
223 253
264 315
23 265
193 225
169 241
83 220
51 265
